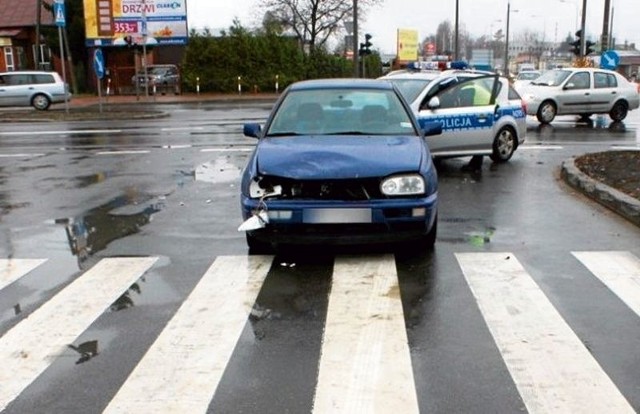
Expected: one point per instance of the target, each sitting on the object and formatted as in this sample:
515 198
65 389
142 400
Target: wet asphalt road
76 193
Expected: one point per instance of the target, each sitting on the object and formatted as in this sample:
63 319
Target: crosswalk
365 362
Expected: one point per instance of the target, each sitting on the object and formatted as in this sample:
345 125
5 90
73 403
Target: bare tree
313 21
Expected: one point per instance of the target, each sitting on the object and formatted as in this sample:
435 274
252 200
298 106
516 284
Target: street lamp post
575 6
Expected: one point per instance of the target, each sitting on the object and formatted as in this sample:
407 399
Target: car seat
309 118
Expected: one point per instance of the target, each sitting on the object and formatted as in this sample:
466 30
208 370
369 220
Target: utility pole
456 53
38 24
583 24
355 39
604 40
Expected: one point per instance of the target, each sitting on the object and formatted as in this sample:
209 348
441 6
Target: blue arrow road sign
98 63
609 60
58 12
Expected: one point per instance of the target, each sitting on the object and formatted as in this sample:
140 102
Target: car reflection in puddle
118 218
218 171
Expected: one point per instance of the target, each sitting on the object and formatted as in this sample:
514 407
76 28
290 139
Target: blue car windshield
338 111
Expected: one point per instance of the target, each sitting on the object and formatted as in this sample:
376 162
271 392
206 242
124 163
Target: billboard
407 45
108 22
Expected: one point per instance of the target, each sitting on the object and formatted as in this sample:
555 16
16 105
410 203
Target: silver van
32 88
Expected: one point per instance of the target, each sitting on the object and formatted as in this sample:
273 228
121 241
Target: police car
480 112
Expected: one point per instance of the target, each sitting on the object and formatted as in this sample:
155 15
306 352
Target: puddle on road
218 171
123 216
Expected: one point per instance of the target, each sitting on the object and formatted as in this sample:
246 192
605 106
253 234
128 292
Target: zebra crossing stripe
365 363
553 370
183 367
30 347
619 271
13 269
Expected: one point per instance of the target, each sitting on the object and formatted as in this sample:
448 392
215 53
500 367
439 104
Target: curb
617 201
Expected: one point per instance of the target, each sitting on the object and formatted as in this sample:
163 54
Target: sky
556 18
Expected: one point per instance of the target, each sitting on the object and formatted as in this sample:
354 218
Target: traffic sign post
59 14
98 67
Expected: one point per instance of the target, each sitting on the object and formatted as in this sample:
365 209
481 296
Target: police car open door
466 110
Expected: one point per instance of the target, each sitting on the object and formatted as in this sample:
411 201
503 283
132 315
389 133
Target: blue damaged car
340 161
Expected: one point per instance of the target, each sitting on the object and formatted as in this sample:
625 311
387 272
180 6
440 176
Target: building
18 35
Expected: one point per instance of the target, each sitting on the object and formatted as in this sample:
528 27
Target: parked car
580 91
339 161
480 114
39 89
165 78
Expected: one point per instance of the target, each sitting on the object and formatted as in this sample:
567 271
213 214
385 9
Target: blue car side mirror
252 130
432 128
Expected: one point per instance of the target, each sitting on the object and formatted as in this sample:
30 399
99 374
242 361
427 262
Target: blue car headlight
401 185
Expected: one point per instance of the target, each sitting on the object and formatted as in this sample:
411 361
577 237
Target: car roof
412 74
346 83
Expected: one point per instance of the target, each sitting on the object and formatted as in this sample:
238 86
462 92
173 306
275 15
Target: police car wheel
504 145
546 112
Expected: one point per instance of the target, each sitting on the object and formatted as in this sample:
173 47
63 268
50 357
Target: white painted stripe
619 271
21 155
13 269
176 146
182 129
553 370
122 152
73 132
540 147
227 149
365 366
182 369
32 345
625 147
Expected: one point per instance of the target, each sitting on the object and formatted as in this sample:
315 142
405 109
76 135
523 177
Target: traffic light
577 43
588 45
365 48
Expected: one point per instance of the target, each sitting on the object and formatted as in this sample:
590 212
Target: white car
524 78
32 88
580 91
480 113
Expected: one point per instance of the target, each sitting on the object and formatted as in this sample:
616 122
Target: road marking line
619 271
552 369
183 367
365 363
21 155
13 269
183 146
182 129
540 147
32 345
625 147
122 152
72 132
226 149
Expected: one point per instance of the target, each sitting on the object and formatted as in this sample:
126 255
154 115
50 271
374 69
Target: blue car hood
339 156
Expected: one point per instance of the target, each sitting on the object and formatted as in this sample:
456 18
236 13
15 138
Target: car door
4 93
575 96
605 92
466 111
17 89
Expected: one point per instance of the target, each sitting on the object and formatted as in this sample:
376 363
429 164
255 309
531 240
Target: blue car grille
343 190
